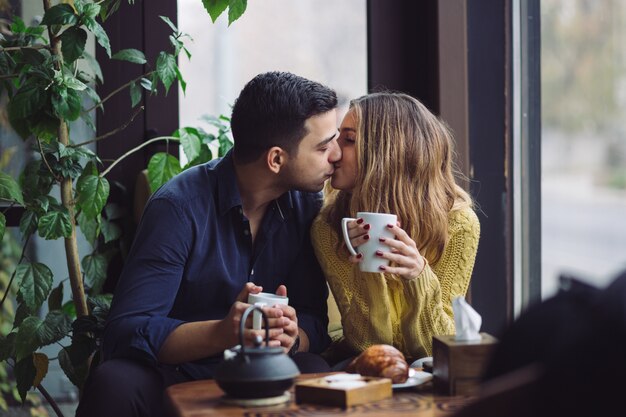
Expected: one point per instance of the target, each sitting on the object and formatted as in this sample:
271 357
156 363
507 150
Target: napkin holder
459 365
320 391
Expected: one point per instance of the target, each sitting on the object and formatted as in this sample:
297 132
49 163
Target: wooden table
202 399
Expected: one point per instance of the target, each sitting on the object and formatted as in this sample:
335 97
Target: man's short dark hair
271 111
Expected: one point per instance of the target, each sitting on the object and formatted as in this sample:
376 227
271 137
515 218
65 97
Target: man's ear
276 158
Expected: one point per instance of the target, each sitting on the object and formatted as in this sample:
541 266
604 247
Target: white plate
415 378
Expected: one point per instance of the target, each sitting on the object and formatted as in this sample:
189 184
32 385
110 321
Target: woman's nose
335 153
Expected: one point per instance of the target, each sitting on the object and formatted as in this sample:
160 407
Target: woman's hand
409 263
358 231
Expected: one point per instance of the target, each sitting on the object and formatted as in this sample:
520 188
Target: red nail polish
390 226
381 239
359 255
359 221
382 268
379 253
366 237
367 227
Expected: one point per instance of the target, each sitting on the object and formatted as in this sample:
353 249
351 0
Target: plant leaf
73 43
95 268
61 14
95 66
41 362
7 346
181 80
100 306
113 211
166 69
55 327
215 7
25 373
28 222
100 34
169 23
69 308
135 94
130 55
3 225
205 156
35 283
108 7
26 341
55 224
34 333
190 140
55 301
93 192
161 168
89 227
76 373
67 104
74 83
27 100
9 189
146 84
110 231
236 9
91 10
20 315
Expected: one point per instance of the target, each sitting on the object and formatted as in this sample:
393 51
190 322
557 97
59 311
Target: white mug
378 228
263 299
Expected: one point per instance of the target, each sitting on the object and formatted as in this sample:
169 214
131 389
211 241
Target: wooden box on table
325 392
459 365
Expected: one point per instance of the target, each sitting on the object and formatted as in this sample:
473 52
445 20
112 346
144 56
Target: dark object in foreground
258 372
539 367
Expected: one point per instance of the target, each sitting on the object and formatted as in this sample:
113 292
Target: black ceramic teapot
256 372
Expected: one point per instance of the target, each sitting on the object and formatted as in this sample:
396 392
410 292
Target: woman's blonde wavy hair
405 167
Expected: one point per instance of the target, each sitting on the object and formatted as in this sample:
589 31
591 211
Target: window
583 71
322 40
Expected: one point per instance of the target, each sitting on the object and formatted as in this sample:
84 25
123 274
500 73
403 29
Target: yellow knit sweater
383 308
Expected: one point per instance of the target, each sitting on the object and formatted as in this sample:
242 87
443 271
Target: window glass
583 70
324 40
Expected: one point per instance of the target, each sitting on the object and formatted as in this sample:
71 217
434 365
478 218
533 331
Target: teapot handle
244 317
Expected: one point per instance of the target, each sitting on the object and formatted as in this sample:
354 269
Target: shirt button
246 232
240 211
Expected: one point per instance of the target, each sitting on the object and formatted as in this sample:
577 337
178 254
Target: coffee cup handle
346 238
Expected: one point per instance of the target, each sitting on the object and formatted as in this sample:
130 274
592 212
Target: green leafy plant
217 7
199 147
47 90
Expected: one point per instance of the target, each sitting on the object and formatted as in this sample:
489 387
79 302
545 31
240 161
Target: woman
397 158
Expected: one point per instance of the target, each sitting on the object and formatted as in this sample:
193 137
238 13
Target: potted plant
46 87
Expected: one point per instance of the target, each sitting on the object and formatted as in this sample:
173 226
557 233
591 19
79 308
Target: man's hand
230 324
290 329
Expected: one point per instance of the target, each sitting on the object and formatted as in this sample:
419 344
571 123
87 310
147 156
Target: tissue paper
466 320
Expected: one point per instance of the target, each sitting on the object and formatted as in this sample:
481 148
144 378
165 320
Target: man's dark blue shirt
193 254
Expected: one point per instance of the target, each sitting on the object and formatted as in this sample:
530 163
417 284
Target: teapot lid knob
258 341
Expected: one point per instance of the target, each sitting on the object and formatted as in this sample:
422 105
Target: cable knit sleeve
428 299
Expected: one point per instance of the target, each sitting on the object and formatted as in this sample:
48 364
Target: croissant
381 361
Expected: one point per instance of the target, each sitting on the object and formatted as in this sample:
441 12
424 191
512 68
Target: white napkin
466 320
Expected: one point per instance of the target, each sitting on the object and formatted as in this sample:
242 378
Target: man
216 233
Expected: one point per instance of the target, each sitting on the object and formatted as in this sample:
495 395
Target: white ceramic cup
263 299
378 228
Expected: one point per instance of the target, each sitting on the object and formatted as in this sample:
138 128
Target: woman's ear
276 158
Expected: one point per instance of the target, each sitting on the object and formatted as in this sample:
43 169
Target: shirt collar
228 191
